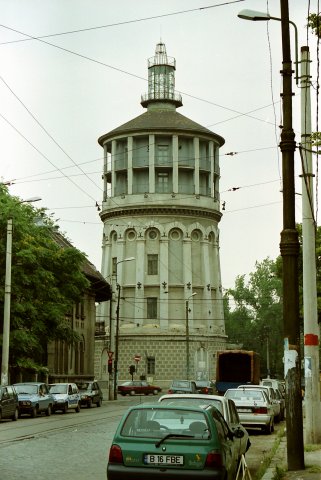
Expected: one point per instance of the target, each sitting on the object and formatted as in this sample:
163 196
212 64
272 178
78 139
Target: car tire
65 408
89 403
34 412
155 392
15 416
77 409
48 411
99 403
268 429
132 393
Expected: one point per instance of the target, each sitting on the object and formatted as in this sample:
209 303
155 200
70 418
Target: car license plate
150 458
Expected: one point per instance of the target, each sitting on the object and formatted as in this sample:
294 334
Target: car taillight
260 410
170 391
115 454
213 459
205 390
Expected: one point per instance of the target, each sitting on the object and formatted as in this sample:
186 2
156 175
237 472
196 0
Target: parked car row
35 398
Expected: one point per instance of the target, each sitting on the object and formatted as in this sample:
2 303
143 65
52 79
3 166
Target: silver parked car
225 406
253 407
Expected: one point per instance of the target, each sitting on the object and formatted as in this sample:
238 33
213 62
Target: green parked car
166 442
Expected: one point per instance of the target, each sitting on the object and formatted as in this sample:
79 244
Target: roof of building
99 285
164 120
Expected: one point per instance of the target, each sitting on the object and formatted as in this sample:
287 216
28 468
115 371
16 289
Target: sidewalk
278 468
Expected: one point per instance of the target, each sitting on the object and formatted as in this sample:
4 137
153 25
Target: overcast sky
86 74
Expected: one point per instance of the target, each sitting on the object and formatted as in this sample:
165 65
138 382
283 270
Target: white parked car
271 396
253 407
66 395
225 406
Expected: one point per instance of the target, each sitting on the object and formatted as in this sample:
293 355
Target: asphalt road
76 445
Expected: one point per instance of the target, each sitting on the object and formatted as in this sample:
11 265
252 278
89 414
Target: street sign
137 358
110 354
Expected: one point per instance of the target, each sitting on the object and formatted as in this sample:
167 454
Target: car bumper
120 472
248 420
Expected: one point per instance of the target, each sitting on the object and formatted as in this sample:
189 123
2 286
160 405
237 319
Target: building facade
161 210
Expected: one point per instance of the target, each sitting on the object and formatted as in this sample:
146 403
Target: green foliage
47 280
255 321
314 22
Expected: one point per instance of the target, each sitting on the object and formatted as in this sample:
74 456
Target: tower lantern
161 79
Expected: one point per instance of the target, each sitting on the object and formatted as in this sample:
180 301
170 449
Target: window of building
152 264
150 365
162 182
152 307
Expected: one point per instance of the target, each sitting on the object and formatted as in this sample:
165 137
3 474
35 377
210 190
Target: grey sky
92 83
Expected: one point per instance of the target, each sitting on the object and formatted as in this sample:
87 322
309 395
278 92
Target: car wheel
48 411
89 403
65 408
132 392
99 403
155 392
78 408
15 416
34 412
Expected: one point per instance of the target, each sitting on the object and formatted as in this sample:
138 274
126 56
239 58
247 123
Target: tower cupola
161 81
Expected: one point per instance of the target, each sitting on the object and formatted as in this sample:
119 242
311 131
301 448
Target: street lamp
187 334
289 247
7 299
255 16
114 335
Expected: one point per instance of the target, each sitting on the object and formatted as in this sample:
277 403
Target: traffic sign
110 354
137 358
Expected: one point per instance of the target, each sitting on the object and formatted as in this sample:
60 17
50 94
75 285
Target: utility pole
289 248
112 324
311 329
6 311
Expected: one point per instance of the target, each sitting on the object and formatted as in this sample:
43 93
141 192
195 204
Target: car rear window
181 384
245 394
193 401
157 423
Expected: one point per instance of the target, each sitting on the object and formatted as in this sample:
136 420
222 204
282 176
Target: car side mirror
238 433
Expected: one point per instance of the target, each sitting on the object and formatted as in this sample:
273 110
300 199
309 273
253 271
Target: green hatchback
173 442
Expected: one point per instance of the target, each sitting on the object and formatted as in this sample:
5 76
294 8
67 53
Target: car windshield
30 389
203 383
181 384
83 385
158 423
58 388
193 401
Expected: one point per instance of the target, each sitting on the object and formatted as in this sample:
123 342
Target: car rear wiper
171 435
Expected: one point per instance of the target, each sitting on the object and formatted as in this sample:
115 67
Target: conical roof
160 120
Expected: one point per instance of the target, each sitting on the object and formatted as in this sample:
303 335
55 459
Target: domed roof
160 120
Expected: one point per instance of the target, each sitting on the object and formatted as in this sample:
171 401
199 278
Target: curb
278 459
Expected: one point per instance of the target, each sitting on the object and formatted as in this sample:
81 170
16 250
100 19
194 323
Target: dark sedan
138 388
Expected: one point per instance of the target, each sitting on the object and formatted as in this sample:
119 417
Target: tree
256 319
46 282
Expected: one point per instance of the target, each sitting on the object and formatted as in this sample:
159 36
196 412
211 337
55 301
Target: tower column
113 175
130 165
212 162
207 285
188 275
163 278
105 172
140 269
151 154
197 165
175 163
